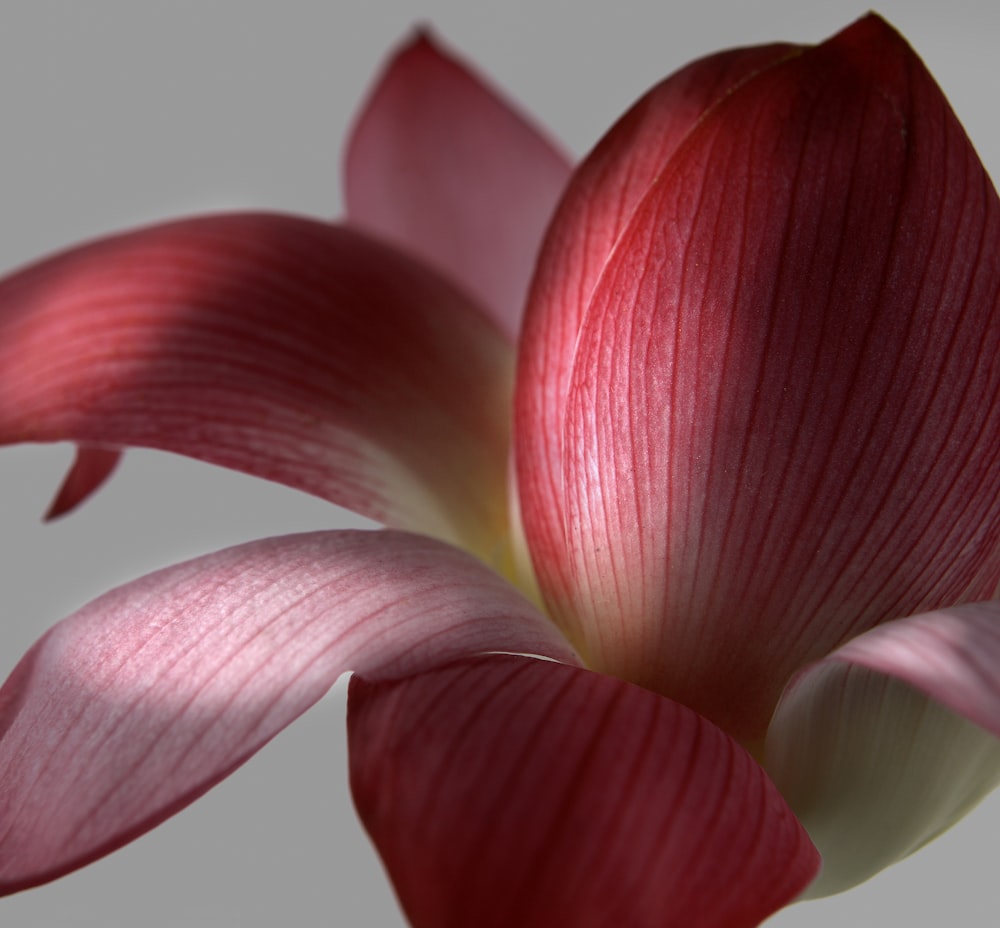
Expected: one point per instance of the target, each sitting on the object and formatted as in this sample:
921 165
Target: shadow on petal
507 791
137 704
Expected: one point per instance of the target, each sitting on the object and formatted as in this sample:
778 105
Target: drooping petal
892 739
503 791
784 422
441 165
292 349
594 212
133 707
511 791
90 468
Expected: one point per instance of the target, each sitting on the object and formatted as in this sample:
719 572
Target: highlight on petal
891 740
594 212
285 347
783 426
91 467
439 164
137 704
508 791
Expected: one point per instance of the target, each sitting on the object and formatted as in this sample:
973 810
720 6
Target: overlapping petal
509 791
758 414
292 349
595 211
891 739
793 432
137 704
441 165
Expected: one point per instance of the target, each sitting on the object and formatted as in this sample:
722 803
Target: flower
736 477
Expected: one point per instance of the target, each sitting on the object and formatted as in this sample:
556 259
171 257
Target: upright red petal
784 421
509 791
442 166
595 211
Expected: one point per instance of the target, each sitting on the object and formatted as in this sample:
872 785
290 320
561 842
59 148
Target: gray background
116 113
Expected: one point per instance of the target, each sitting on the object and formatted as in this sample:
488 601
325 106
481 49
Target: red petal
508 791
133 707
441 165
288 348
595 211
784 425
90 468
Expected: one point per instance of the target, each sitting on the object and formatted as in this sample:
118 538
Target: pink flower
739 481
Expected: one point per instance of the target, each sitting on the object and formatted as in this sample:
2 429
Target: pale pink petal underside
784 422
892 739
598 204
952 655
134 706
442 166
292 349
508 791
91 467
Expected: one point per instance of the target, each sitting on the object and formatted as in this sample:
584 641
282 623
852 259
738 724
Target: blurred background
116 113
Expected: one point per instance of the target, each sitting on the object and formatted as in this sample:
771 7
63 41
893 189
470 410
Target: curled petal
509 791
784 420
91 467
288 348
442 166
594 212
891 740
133 707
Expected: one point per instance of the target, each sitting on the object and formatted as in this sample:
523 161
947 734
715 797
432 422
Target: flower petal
90 468
281 346
134 706
510 791
594 212
784 421
892 739
441 165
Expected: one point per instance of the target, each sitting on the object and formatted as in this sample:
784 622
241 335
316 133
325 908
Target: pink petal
90 468
133 707
281 346
440 164
952 655
784 421
509 791
598 204
891 739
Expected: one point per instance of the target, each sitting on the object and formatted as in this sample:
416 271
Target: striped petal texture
439 164
292 349
134 706
782 424
510 791
891 739
689 600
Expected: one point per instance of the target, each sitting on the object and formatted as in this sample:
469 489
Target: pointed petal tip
420 43
441 163
872 33
90 469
